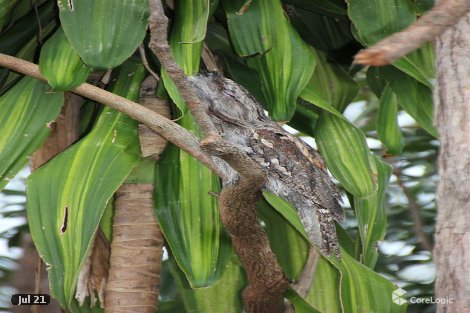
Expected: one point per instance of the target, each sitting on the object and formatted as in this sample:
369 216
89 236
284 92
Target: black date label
30 299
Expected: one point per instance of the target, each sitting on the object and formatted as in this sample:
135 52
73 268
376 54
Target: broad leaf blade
60 64
225 296
363 290
290 248
344 148
301 306
189 216
286 67
68 195
26 111
330 87
104 33
376 19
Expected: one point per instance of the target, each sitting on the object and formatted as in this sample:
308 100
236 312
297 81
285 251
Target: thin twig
445 13
160 124
302 286
413 206
158 24
146 63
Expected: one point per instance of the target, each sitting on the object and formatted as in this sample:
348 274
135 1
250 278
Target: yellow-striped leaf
388 129
26 111
68 195
60 64
344 148
371 215
283 60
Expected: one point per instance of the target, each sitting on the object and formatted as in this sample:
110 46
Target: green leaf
363 290
287 243
371 215
330 34
376 19
189 216
414 97
68 195
330 87
287 211
187 32
6 6
15 37
26 111
217 40
300 305
344 149
60 64
225 296
327 7
388 129
324 293
284 62
104 33
419 64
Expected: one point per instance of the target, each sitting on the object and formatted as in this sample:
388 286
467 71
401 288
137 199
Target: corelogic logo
397 296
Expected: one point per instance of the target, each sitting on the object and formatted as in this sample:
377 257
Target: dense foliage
372 126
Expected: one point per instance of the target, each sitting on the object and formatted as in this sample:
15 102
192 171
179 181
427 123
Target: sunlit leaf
300 305
225 296
363 290
68 195
189 216
344 149
26 112
60 64
284 62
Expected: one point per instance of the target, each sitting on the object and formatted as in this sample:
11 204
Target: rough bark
452 96
137 247
136 252
64 131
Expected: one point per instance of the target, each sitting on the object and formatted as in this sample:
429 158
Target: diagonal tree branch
445 13
160 124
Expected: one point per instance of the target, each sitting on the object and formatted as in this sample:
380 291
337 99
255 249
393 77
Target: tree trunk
452 96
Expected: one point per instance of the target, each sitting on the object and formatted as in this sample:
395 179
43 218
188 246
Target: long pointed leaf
388 129
25 113
285 62
67 196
